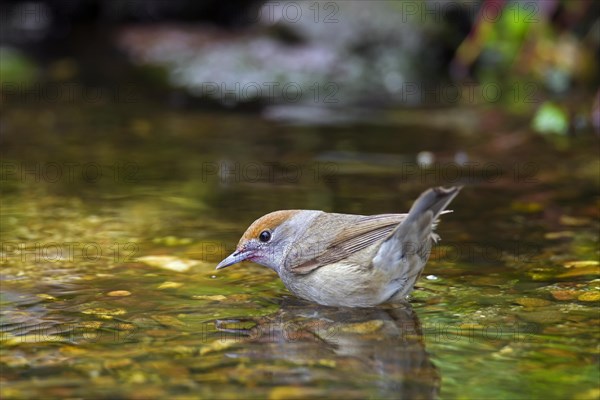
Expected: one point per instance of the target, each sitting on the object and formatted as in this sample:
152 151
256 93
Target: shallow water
113 219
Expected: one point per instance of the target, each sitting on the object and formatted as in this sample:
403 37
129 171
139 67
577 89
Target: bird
346 260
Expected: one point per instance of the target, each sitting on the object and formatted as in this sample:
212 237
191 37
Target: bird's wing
362 233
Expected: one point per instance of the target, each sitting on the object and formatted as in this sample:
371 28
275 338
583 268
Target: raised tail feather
435 200
404 253
417 228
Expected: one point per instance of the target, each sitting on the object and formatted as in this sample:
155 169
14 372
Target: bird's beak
234 258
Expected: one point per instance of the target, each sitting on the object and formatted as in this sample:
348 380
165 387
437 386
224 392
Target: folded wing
362 233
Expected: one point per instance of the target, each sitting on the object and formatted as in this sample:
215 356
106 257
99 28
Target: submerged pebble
564 294
169 262
118 363
559 235
543 317
119 293
104 312
363 327
46 296
532 302
589 296
172 241
573 221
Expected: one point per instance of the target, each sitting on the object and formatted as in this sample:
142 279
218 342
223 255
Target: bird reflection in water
376 352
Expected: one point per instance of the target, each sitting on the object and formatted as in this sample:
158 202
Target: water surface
113 219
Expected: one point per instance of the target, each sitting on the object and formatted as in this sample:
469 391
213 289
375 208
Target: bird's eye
264 236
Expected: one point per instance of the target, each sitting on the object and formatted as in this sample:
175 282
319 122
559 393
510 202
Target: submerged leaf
169 285
581 264
216 297
580 272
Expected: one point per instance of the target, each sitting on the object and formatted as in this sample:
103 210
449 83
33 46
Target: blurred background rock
303 61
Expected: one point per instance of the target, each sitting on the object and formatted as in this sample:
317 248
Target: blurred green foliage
16 68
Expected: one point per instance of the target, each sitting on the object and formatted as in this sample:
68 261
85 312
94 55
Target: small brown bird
343 259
